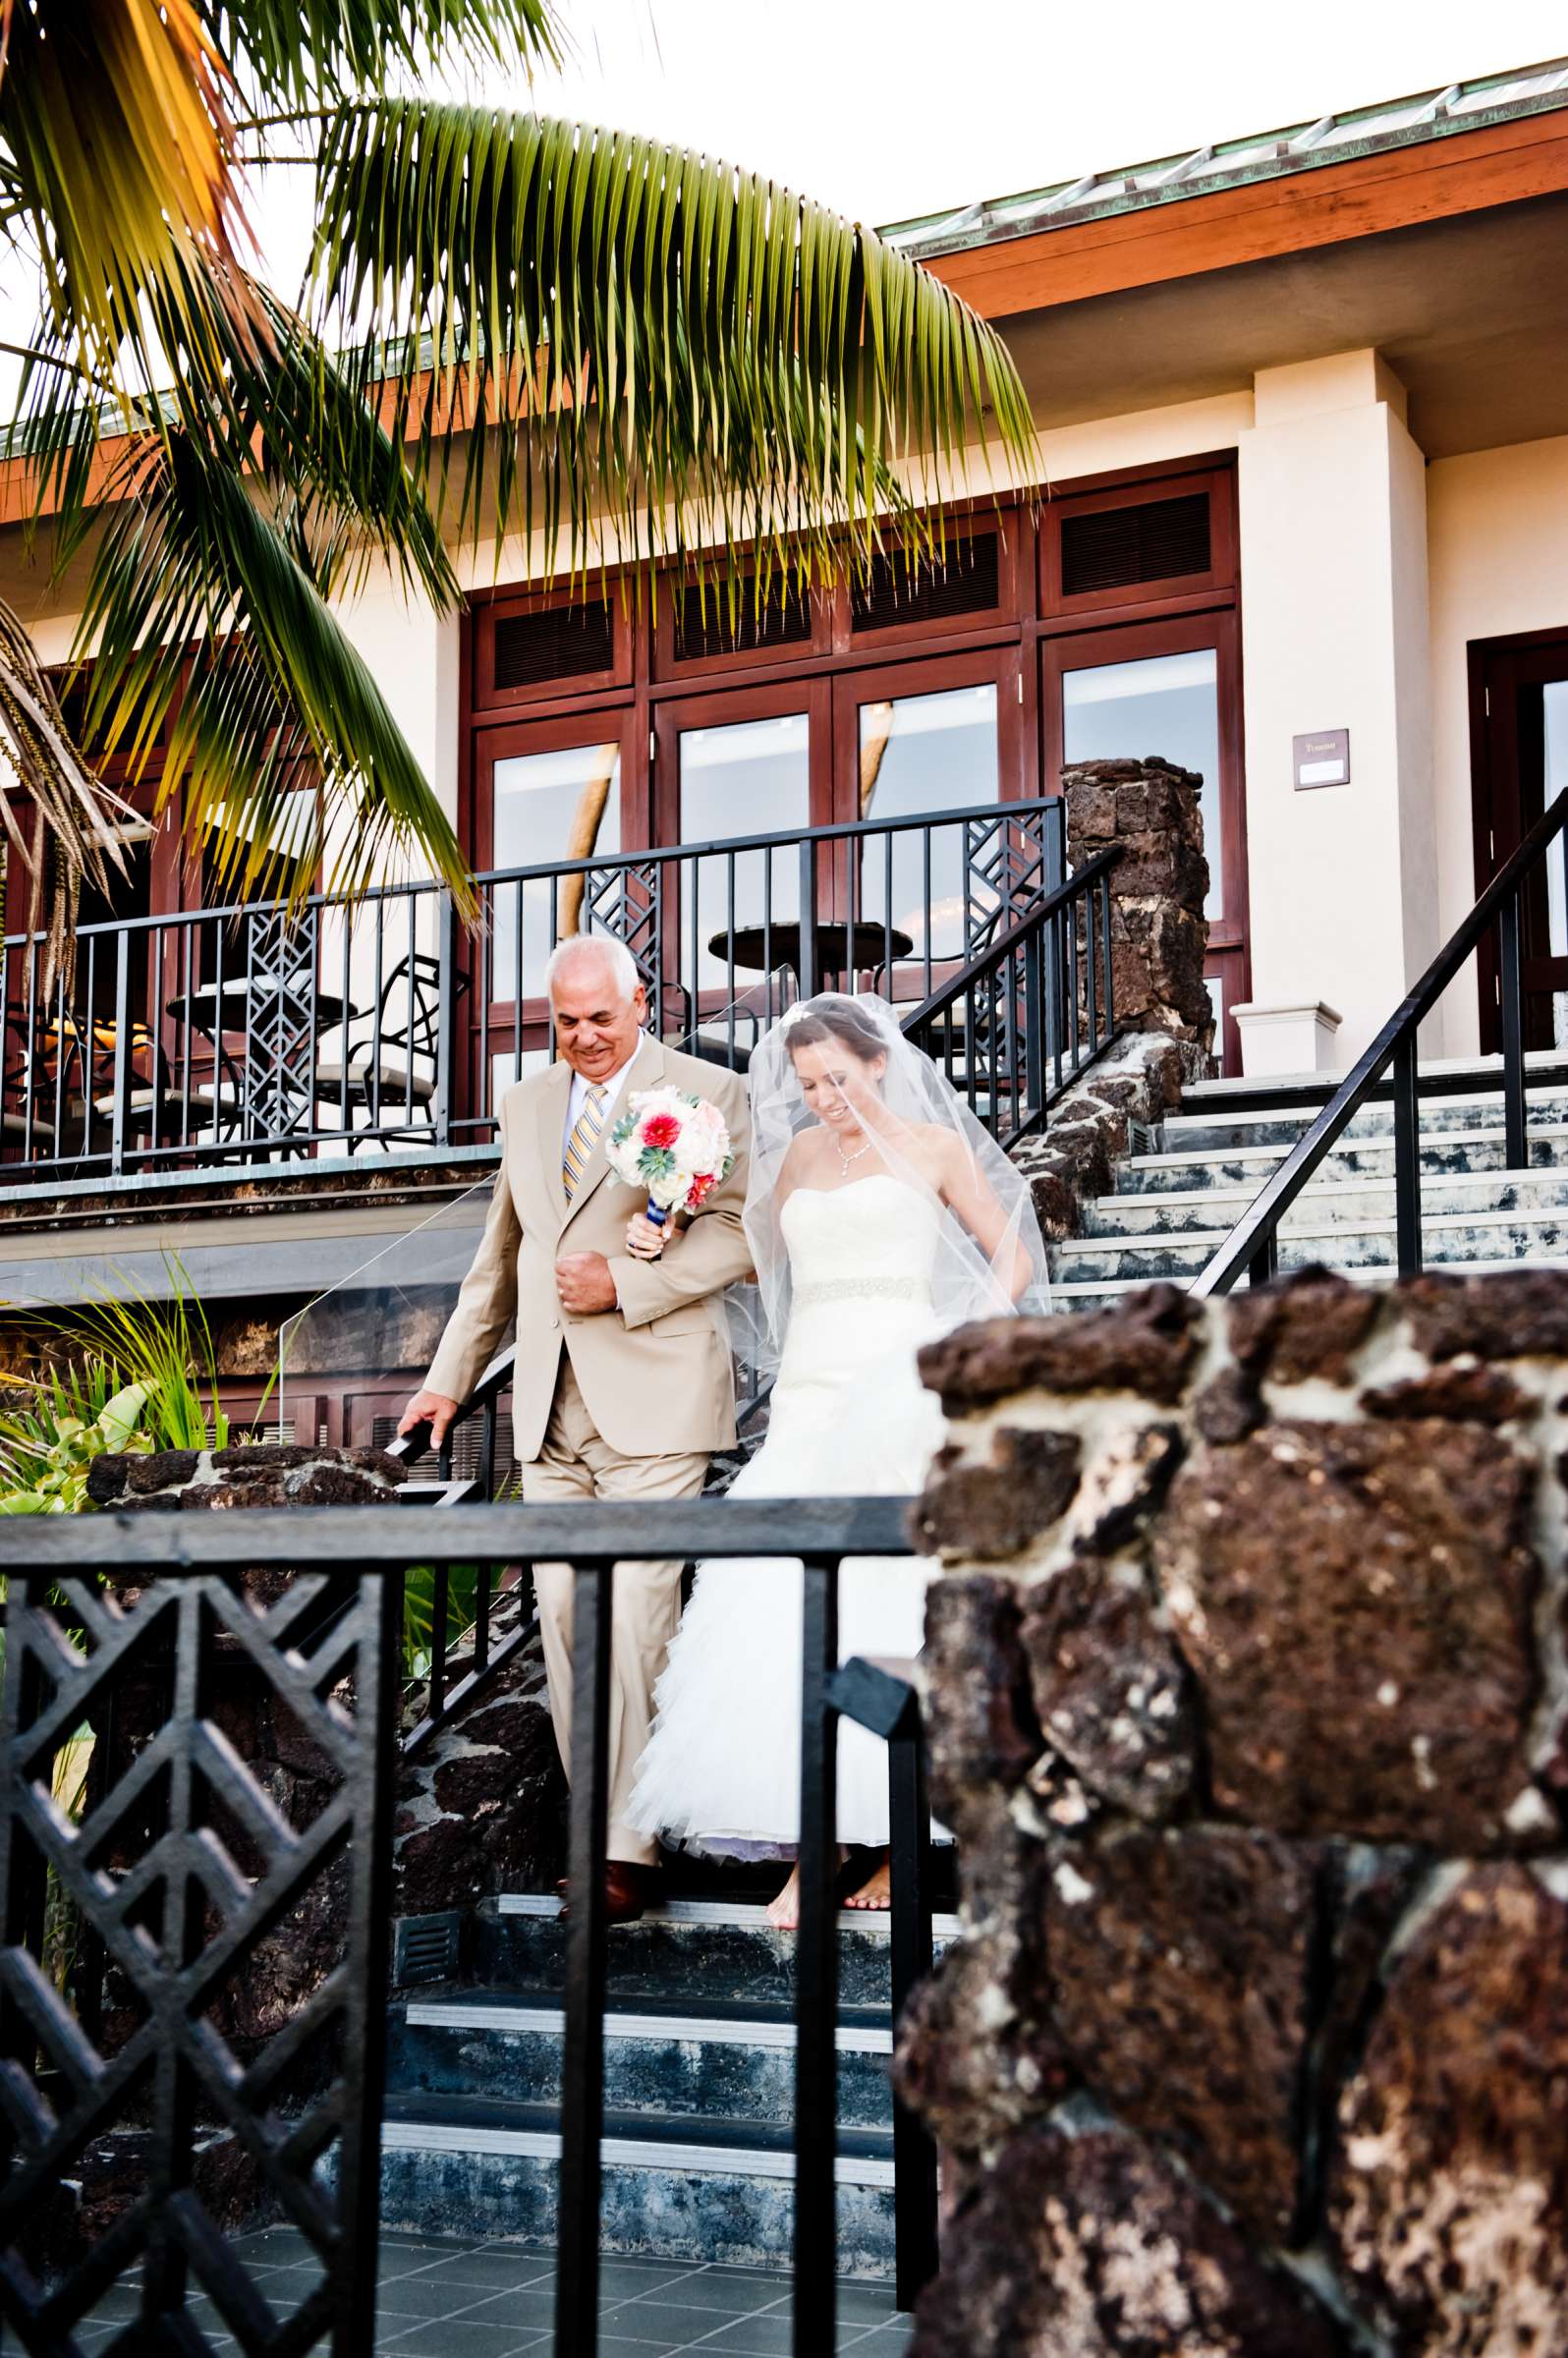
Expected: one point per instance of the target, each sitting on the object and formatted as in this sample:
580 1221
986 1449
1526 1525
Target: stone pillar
1158 937
1159 932
1248 1702
1342 879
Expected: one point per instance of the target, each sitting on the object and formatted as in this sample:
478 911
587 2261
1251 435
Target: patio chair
30 1128
209 1112
395 1068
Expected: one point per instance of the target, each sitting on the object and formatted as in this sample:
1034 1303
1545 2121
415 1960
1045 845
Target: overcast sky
891 108
888 108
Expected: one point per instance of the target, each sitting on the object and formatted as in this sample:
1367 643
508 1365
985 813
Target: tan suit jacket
655 1374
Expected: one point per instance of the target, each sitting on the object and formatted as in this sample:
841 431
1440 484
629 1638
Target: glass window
918 754
564 804
1165 704
745 777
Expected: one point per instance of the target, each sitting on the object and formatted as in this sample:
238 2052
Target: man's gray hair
606 949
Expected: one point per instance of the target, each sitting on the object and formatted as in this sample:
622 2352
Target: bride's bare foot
876 1892
784 1913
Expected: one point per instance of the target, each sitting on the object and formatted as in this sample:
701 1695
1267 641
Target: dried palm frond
73 830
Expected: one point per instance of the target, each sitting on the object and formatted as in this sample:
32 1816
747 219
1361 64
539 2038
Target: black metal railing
153 1873
1252 1245
217 1039
1028 1016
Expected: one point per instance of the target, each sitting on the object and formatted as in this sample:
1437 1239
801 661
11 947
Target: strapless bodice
874 1240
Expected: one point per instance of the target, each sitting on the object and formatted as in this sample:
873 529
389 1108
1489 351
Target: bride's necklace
846 1159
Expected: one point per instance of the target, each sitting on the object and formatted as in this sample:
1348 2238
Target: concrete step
1094 1293
662 2060
715 2188
1205 1127
1459 1241
703 1951
1349 1203
1454 1153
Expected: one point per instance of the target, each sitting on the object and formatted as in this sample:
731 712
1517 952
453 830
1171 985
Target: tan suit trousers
575 1462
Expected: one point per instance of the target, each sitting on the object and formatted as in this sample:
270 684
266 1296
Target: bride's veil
968 1281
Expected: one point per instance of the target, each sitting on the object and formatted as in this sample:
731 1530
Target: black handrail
1252 1245
1077 887
1027 1017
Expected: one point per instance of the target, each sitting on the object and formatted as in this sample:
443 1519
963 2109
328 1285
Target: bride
879 1215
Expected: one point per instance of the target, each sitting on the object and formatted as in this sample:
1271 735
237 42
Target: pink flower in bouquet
660 1130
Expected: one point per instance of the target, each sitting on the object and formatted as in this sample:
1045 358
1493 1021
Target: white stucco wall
1498 537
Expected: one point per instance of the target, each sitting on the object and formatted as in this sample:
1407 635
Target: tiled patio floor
489 2300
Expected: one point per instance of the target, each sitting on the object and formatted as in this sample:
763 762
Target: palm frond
296 51
278 694
695 353
285 427
115 118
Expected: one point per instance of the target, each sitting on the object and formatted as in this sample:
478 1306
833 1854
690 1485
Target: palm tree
508 324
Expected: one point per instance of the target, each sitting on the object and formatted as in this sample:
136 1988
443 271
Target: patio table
840 947
282 1028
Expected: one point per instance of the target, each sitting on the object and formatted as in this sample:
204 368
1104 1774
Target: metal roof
1233 163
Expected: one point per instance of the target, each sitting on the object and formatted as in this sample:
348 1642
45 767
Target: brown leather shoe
628 1891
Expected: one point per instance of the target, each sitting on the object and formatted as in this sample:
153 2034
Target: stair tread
518 2116
1366 1273
1348 1143
1201 1109
738 1915
1442 1076
1163 1240
533 2008
1318 1192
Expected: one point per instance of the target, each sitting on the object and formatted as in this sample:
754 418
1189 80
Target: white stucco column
1335 636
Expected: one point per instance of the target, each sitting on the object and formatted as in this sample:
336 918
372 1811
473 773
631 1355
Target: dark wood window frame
653 697
1176 635
1217 483
536 734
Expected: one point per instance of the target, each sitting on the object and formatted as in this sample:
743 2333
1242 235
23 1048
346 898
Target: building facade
1302 403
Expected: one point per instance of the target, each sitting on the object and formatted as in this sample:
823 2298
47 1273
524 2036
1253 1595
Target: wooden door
1519 722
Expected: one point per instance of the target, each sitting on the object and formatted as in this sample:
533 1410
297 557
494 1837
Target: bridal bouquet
674 1144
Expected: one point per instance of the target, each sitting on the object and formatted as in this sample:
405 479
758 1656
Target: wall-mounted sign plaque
1323 759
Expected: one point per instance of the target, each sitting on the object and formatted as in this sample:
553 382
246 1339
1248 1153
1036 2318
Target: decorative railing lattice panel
127 2024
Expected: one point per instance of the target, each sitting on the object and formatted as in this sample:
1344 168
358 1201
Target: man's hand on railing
428 1408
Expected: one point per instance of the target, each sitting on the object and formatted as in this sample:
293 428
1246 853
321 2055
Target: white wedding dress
849 1416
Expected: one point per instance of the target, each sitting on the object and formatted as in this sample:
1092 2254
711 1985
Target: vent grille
427 1949
704 626
1118 548
561 644
968 582
466 1440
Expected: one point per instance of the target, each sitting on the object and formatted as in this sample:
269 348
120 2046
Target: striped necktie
579 1146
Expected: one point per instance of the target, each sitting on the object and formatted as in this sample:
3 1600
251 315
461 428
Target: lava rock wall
1248 1695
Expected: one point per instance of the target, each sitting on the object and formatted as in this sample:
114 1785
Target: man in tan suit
624 1385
